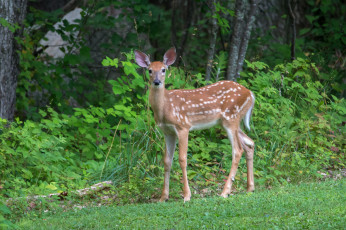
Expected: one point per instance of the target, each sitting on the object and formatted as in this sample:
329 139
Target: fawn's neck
157 102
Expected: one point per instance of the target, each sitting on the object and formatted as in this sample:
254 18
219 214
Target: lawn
319 205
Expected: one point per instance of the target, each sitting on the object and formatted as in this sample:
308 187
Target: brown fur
177 112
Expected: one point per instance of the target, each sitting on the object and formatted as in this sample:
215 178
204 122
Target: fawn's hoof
186 199
224 195
251 189
163 199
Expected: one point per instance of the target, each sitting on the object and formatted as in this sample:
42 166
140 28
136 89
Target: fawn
179 111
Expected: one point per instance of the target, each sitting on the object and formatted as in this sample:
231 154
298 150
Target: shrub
292 120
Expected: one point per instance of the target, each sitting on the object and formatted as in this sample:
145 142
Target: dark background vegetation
72 117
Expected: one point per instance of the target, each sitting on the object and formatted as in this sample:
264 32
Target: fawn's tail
249 113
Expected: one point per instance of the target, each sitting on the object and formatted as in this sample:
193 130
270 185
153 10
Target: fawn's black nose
157 82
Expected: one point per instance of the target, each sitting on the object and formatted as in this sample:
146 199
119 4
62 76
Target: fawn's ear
142 59
169 57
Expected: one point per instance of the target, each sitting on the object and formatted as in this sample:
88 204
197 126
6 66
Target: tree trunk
240 37
12 12
236 40
246 36
173 20
293 29
213 36
188 15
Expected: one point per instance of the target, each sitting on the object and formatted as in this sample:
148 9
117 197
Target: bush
60 152
294 128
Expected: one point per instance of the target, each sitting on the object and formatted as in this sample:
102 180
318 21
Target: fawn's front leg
168 158
183 136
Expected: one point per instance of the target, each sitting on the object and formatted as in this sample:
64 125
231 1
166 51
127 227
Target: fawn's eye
163 70
150 71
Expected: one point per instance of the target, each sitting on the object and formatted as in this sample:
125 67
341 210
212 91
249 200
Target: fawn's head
157 69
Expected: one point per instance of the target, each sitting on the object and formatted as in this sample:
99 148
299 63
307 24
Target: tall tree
213 36
12 14
246 35
240 37
293 28
235 40
186 12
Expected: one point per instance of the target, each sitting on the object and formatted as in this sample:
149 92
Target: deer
179 111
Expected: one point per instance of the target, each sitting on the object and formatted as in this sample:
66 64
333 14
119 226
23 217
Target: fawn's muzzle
157 82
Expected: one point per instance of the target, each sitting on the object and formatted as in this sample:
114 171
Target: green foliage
65 151
320 38
325 18
11 27
5 211
221 14
51 81
219 66
35 154
291 122
74 80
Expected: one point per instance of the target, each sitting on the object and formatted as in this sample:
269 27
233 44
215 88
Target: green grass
305 206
